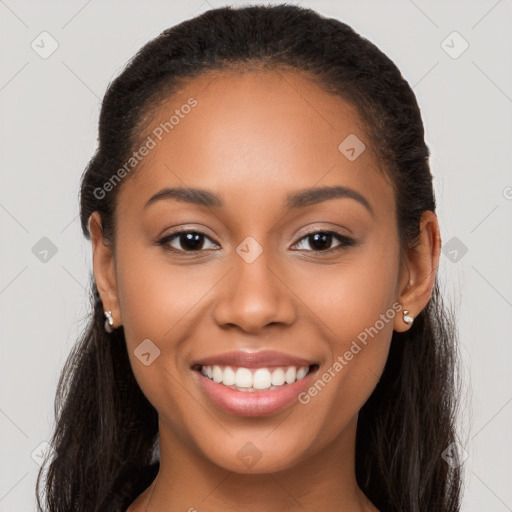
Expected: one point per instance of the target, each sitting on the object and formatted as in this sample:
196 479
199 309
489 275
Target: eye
190 241
321 241
194 241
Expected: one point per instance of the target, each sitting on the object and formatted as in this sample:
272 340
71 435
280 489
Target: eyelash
345 241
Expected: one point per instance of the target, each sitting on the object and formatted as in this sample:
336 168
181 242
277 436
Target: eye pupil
320 240
194 241
191 240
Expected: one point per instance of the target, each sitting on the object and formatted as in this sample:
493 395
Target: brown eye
186 241
321 241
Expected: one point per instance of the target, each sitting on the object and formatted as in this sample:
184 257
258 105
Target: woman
267 331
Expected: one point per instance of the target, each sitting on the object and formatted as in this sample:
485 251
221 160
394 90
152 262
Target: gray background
49 110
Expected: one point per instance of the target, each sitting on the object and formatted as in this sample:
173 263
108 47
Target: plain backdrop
48 120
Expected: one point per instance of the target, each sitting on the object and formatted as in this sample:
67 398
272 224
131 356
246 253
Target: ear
104 269
418 270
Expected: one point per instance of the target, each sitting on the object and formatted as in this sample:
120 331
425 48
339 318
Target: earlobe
104 269
420 265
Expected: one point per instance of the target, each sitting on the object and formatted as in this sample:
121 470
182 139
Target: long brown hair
106 429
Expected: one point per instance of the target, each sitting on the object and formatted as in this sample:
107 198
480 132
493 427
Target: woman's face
257 279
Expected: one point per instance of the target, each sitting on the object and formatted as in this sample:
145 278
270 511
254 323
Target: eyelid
345 240
164 240
333 228
316 229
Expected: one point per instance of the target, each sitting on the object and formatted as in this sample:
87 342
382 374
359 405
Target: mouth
254 379
255 390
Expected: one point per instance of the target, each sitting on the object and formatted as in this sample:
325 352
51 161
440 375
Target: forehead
256 135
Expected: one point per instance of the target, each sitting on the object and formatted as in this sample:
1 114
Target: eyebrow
298 199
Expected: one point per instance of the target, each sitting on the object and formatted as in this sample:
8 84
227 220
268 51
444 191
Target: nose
255 295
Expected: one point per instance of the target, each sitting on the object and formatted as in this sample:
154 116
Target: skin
252 139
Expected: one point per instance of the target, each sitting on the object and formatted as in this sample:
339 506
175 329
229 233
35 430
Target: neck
187 481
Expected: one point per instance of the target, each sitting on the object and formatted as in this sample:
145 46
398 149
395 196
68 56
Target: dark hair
106 429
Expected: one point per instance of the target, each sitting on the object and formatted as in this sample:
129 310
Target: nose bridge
254 295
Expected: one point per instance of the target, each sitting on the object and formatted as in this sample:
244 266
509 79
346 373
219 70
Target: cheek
353 303
350 296
157 298
159 302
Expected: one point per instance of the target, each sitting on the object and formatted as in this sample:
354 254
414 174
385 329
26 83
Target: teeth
254 379
301 373
290 375
243 378
228 378
278 377
217 374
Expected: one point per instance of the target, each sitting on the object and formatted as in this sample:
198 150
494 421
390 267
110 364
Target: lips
253 383
262 359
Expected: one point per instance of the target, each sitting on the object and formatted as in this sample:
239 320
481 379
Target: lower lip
253 403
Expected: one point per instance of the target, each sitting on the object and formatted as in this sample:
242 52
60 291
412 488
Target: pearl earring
109 322
407 319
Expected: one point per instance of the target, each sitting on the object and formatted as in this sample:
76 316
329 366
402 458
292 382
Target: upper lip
244 359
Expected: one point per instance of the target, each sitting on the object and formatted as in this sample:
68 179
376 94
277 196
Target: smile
254 379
